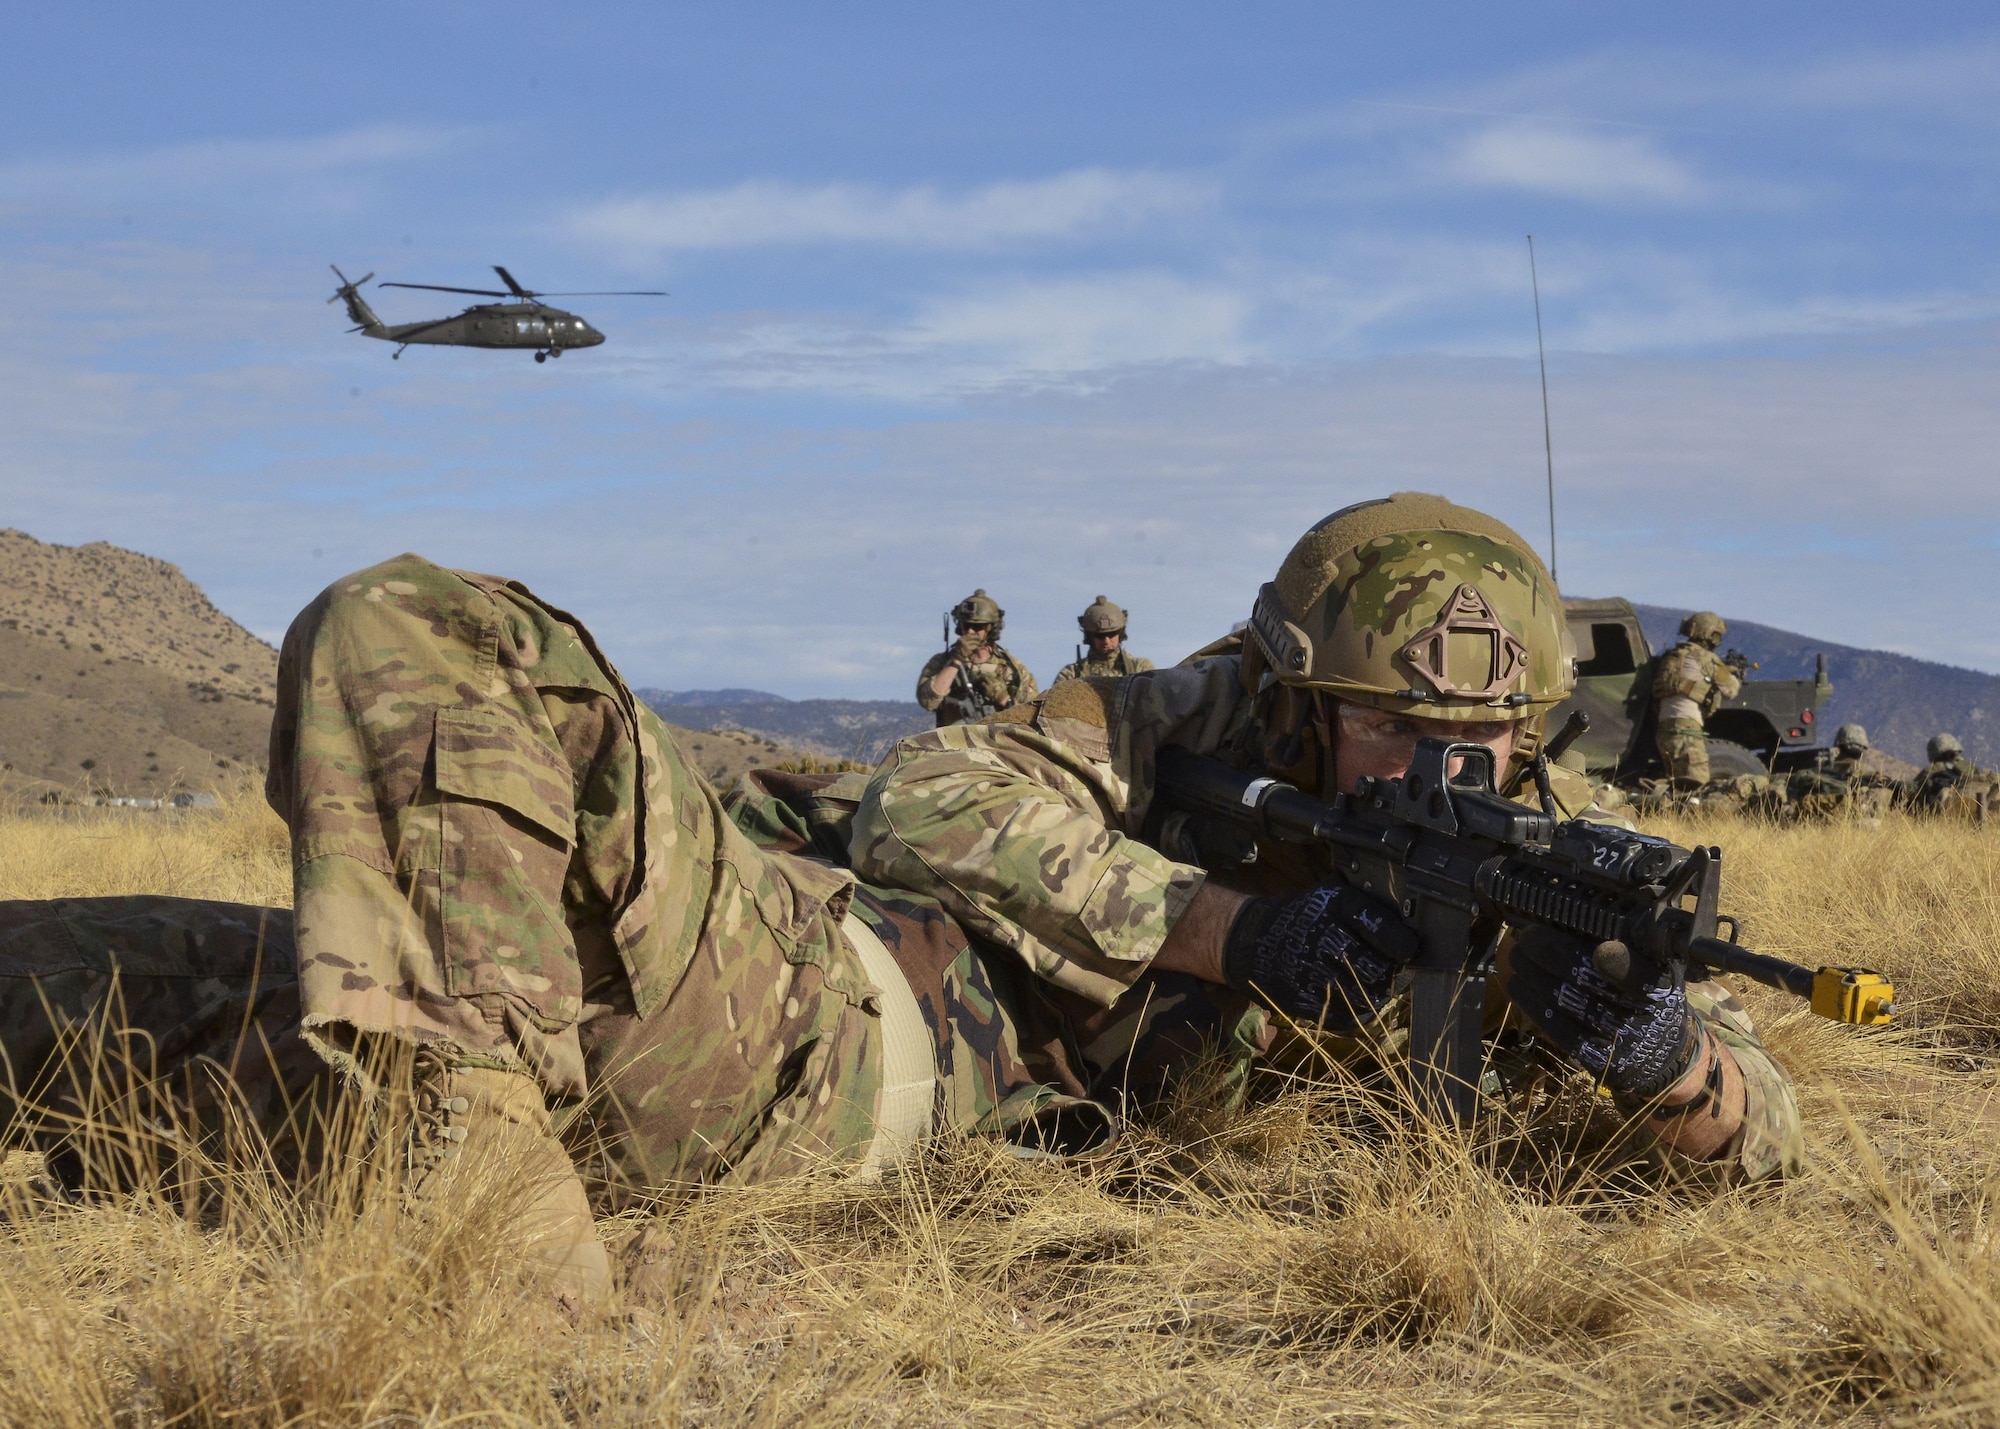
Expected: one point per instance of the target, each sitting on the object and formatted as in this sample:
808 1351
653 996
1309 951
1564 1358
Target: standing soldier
1950 780
974 676
1690 684
1103 626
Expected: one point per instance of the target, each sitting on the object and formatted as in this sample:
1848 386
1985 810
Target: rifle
1461 861
972 698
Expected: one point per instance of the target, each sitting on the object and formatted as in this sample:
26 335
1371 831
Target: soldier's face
1105 642
976 632
1379 743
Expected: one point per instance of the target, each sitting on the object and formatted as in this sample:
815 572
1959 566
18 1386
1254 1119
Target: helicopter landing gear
394 356
541 357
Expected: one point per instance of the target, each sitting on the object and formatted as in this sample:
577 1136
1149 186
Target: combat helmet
1705 627
1101 617
978 608
1850 736
1415 604
1942 747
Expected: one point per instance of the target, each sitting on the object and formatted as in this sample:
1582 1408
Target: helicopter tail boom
358 310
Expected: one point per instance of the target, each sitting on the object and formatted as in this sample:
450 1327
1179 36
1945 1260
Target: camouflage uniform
1841 782
1037 831
1950 783
1122 663
501 859
1103 616
1002 681
1689 683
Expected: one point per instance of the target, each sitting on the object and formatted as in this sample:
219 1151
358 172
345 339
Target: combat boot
477 1136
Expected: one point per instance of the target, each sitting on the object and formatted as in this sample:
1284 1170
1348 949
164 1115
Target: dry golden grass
1306 1261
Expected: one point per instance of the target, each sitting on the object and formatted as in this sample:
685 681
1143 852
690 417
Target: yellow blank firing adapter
1853 995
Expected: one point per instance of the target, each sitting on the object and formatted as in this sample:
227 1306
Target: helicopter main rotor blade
613 293
513 287
440 288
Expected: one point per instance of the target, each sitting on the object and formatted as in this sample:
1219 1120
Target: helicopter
524 322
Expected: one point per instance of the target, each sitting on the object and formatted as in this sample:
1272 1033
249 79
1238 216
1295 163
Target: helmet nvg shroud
979 608
1415 604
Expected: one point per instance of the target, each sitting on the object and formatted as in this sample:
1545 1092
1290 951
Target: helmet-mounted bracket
1286 646
1462 668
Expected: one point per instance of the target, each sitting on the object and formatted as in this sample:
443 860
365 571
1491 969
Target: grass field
1305 1261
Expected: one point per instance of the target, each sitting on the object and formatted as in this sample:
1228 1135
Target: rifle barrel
1758 967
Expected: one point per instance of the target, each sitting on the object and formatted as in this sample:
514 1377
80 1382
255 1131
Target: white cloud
1062 333
762 212
1569 163
223 162
1085 324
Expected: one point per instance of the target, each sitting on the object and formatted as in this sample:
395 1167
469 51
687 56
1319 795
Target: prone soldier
1840 782
1950 783
1103 626
504 868
974 676
1041 830
1689 684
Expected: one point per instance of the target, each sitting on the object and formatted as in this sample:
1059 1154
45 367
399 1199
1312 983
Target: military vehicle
527 322
1772 727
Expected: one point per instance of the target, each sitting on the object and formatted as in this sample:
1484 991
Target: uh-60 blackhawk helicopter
526 322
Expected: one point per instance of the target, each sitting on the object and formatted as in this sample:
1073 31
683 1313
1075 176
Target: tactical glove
1326 957
1636 1036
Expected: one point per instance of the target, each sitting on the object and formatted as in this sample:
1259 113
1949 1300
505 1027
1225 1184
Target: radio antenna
1548 443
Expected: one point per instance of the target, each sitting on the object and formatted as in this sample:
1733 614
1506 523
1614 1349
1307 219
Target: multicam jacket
1690 682
1122 663
1028 829
997 684
1944 782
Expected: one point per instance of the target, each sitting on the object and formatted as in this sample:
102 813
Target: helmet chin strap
1325 721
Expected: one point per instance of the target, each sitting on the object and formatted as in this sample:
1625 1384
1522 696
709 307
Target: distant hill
657 698
1902 700
838 729
118 675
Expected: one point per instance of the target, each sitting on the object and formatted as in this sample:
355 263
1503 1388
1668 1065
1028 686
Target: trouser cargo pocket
507 826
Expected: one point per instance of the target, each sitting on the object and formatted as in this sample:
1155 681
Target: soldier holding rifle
506 873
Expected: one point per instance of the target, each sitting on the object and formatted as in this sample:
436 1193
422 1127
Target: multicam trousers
501 857
1684 751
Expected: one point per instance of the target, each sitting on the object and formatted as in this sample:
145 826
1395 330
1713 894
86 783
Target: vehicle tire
1727 759
541 357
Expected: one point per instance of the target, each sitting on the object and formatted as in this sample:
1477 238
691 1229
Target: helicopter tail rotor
358 311
345 286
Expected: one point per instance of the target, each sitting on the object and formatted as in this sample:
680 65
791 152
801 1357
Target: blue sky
1052 299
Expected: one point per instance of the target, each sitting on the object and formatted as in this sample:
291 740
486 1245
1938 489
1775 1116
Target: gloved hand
1326 957
1637 1037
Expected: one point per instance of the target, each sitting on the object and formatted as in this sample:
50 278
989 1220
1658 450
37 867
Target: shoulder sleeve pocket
492 756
